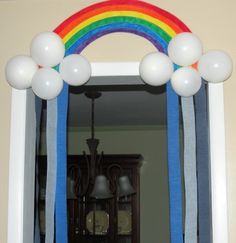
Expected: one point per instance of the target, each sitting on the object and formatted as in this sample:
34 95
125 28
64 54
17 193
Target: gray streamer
38 111
190 173
203 166
51 169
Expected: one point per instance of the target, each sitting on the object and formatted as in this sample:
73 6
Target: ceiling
125 101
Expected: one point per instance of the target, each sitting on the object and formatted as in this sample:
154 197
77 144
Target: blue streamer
61 196
174 167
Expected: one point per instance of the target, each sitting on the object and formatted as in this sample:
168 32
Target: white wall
151 144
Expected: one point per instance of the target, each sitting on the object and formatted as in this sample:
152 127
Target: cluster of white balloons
38 70
185 50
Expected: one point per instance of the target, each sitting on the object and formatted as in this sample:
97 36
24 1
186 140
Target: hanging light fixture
95 178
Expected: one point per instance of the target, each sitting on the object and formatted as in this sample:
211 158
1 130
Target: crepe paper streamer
51 170
190 170
203 167
38 111
78 31
174 167
61 151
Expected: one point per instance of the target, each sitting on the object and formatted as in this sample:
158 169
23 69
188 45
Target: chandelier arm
77 182
88 176
72 174
112 182
99 164
92 118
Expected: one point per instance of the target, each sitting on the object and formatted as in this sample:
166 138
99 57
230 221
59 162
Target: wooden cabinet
115 220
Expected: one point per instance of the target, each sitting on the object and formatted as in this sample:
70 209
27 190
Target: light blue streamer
190 170
51 170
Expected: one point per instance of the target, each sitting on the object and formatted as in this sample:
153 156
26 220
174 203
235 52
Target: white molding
218 163
17 166
115 69
21 168
17 155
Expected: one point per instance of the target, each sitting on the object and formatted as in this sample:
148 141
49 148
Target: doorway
20 216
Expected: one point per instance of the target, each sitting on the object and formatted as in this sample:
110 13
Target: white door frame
21 169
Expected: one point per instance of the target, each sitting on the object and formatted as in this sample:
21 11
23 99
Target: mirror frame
21 164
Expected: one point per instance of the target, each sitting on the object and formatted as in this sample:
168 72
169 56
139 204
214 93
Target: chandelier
102 187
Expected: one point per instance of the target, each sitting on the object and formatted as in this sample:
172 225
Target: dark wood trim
130 164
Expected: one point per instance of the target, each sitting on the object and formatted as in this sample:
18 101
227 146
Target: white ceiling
124 108
125 101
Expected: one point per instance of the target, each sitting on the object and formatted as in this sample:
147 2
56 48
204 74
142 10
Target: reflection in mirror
130 123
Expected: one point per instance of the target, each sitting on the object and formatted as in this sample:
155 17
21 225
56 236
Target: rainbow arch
78 31
137 17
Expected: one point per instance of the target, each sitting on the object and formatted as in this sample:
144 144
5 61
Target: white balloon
186 81
47 49
47 83
19 71
215 66
156 68
185 49
75 70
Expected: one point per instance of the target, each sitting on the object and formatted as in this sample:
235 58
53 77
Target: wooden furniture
117 220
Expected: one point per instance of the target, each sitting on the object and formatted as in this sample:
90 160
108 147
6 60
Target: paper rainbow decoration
78 31
140 18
